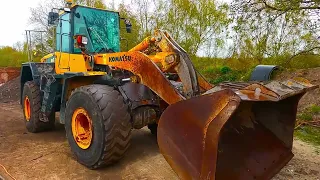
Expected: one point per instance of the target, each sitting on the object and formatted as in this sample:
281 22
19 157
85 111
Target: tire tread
116 122
35 99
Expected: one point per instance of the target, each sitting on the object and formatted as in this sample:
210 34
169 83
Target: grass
217 70
240 69
305 116
314 109
309 133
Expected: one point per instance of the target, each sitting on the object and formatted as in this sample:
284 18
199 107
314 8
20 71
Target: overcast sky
14 16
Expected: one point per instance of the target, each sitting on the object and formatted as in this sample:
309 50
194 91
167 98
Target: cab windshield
100 26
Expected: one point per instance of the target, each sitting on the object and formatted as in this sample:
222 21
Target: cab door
63 43
66 59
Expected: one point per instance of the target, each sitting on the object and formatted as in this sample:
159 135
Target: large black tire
32 91
110 123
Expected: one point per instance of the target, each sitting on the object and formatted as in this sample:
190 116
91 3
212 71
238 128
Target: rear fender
32 72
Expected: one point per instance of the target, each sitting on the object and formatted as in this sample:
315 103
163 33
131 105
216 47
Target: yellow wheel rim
27 109
82 128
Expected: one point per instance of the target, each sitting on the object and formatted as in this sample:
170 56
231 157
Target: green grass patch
309 134
314 109
305 116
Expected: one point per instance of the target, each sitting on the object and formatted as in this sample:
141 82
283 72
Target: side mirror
128 25
52 18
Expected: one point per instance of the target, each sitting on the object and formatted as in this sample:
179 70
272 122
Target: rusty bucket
234 131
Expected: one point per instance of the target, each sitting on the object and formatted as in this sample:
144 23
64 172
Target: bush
217 70
10 57
222 74
225 70
224 78
305 61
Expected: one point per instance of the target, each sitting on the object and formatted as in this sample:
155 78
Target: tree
92 3
11 57
273 28
129 40
39 20
149 14
194 24
288 5
19 46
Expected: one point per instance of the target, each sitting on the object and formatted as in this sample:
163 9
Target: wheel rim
27 109
82 128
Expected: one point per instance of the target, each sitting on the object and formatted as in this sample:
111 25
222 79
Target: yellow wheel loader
230 131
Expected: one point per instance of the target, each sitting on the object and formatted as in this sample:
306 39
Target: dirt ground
312 75
48 156
10 91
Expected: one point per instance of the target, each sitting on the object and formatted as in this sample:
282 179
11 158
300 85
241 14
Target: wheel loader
231 131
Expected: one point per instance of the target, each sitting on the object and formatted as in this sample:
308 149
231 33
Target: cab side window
63 34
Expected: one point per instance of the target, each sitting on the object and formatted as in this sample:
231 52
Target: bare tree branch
302 53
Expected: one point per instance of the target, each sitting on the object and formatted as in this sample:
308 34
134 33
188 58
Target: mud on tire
32 91
111 125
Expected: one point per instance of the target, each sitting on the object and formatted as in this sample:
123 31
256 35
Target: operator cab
101 29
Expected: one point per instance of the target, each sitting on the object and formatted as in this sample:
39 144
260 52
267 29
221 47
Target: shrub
225 70
10 57
217 70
